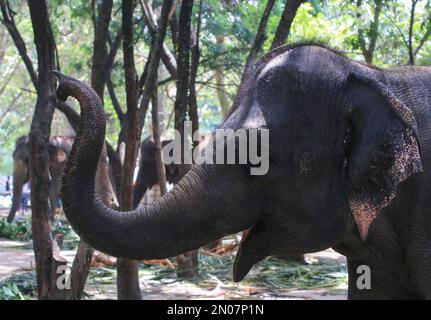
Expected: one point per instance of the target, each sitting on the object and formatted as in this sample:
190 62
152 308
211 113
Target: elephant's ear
382 149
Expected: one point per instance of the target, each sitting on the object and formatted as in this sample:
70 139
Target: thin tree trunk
167 57
128 278
101 61
173 25
286 21
9 22
160 166
187 263
196 54
411 25
254 50
80 269
183 80
220 80
425 36
374 30
99 74
368 51
150 79
38 147
128 285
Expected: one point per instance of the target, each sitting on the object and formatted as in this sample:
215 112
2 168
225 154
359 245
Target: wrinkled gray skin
349 168
59 148
147 178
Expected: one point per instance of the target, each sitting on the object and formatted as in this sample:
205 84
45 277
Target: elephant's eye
348 136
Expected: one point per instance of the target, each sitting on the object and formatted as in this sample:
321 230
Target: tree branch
424 38
166 55
410 39
153 64
283 29
9 22
254 50
114 100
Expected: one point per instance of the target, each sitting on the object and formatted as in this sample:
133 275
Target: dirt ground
160 282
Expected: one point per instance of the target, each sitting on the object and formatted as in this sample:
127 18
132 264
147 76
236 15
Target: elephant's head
147 174
340 143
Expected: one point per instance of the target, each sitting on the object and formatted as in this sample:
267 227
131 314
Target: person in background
25 199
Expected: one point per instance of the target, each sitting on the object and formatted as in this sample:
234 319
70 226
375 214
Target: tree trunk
220 80
99 74
80 269
38 147
411 25
160 166
152 67
196 54
150 79
286 21
187 263
254 50
368 51
166 55
128 278
9 22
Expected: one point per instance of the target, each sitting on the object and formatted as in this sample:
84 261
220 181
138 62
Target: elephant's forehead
246 116
274 64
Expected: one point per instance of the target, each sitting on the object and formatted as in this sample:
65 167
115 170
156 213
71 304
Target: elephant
59 148
349 168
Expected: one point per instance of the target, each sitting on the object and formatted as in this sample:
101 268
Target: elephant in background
59 149
147 173
349 168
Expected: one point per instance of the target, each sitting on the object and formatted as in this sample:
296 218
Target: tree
187 263
102 62
410 46
368 50
38 149
194 65
254 50
290 9
128 278
9 22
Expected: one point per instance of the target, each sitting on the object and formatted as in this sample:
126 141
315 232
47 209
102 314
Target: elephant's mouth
250 251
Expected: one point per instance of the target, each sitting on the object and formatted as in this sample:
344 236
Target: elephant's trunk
208 203
20 177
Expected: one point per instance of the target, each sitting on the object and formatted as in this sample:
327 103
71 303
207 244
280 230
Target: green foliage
21 229
10 291
18 287
17 230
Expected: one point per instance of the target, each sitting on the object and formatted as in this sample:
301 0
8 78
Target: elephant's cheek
364 214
